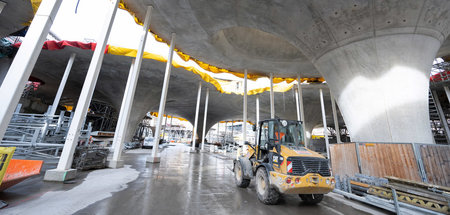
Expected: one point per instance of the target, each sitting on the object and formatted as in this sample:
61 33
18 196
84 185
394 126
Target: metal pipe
62 84
162 103
302 110
204 119
257 109
197 110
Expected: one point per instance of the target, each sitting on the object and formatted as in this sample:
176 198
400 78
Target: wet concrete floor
183 183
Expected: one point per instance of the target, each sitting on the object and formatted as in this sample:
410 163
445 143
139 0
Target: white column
2 5
62 84
197 110
65 161
447 92
22 65
297 105
165 127
204 119
335 119
128 96
218 132
170 132
244 117
302 110
154 158
118 135
272 103
257 109
324 120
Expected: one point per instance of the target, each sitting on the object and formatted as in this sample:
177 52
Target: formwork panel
382 160
343 159
436 161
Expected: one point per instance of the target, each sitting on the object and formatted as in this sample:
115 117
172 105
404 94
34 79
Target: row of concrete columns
25 60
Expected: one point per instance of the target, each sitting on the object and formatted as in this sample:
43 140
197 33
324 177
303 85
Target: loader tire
266 194
311 199
239 176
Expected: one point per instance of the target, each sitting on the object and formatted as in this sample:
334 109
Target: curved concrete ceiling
182 94
13 17
240 35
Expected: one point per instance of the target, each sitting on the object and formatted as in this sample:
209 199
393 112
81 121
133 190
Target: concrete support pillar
302 110
244 117
2 5
22 65
204 120
63 171
164 128
272 103
324 121
154 158
62 85
197 110
257 109
447 92
335 119
170 132
381 85
297 105
128 96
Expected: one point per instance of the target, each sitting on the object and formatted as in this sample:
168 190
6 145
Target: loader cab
276 132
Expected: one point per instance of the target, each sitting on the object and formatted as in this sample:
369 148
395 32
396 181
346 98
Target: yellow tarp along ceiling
198 67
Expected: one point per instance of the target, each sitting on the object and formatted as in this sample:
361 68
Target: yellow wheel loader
281 164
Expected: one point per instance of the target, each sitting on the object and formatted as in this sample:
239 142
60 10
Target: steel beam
302 110
24 61
154 158
244 117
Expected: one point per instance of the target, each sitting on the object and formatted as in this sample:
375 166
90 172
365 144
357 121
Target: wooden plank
343 159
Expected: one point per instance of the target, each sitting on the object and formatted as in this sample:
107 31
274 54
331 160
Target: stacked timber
424 195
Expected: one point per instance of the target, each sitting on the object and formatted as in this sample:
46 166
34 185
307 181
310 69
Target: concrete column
128 96
204 119
120 127
62 84
23 63
272 103
324 121
447 92
2 5
154 158
63 171
197 110
381 86
164 128
302 110
257 109
335 119
297 105
244 117
218 132
170 132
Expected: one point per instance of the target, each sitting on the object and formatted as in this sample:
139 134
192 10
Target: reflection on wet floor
183 183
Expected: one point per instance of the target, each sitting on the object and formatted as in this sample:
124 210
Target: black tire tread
273 195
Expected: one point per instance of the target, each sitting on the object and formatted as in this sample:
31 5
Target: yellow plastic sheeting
6 154
249 122
155 114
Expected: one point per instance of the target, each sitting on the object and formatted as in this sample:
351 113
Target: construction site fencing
428 163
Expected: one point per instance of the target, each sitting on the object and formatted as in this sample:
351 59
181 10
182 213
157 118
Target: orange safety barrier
19 170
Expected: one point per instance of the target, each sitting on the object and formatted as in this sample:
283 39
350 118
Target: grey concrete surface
183 183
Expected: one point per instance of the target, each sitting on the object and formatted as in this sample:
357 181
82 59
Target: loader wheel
266 194
311 199
239 176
